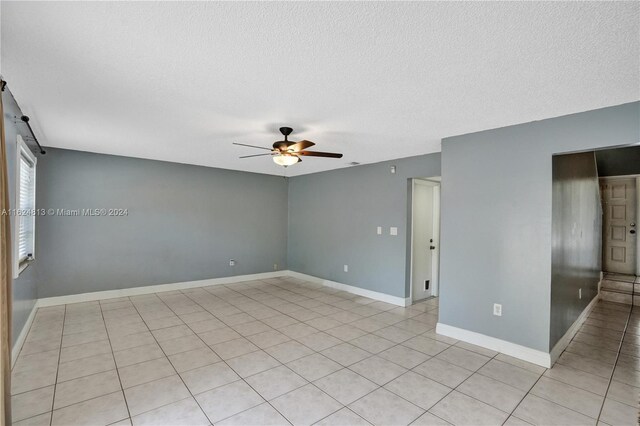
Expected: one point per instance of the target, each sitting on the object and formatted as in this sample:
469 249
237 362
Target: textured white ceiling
181 81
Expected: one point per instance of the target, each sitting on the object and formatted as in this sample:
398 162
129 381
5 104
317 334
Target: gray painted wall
333 218
576 232
496 219
185 223
24 287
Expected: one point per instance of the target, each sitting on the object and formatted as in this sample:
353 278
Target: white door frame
435 271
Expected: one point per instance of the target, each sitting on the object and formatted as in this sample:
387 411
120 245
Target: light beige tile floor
284 351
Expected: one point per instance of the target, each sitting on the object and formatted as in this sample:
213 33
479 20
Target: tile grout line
222 360
525 395
372 355
478 372
567 408
542 375
283 364
254 351
408 370
172 366
497 380
613 370
309 382
581 355
589 358
228 366
318 352
161 300
45 386
27 335
126 403
397 344
412 370
55 384
455 389
330 303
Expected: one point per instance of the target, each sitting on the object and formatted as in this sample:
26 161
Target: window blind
27 206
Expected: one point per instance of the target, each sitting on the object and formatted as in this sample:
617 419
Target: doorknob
434 247
633 231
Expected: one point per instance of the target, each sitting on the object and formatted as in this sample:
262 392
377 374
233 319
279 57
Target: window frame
23 151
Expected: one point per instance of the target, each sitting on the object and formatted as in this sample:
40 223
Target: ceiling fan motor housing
283 145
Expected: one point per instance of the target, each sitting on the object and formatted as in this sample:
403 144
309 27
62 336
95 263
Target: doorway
425 238
619 220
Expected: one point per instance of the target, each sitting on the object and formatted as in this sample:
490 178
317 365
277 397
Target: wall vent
426 284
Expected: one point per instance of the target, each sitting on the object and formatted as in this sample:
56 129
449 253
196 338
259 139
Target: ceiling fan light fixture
285 159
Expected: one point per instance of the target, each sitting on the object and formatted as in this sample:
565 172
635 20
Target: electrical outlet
579 293
232 262
497 309
393 230
275 266
346 268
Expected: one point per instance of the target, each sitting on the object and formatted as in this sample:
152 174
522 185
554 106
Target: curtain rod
25 119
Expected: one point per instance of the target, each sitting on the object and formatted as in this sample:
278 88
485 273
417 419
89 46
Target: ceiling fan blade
299 146
319 154
254 155
251 146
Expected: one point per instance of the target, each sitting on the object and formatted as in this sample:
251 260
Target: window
25 218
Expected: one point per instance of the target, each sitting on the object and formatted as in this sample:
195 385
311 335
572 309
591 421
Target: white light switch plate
346 268
393 231
379 230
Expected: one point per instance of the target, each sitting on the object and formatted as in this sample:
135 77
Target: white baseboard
524 353
17 347
571 332
135 291
517 351
383 297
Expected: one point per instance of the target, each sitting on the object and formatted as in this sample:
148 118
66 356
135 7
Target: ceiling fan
286 153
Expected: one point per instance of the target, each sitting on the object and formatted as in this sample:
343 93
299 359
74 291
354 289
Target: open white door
425 233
